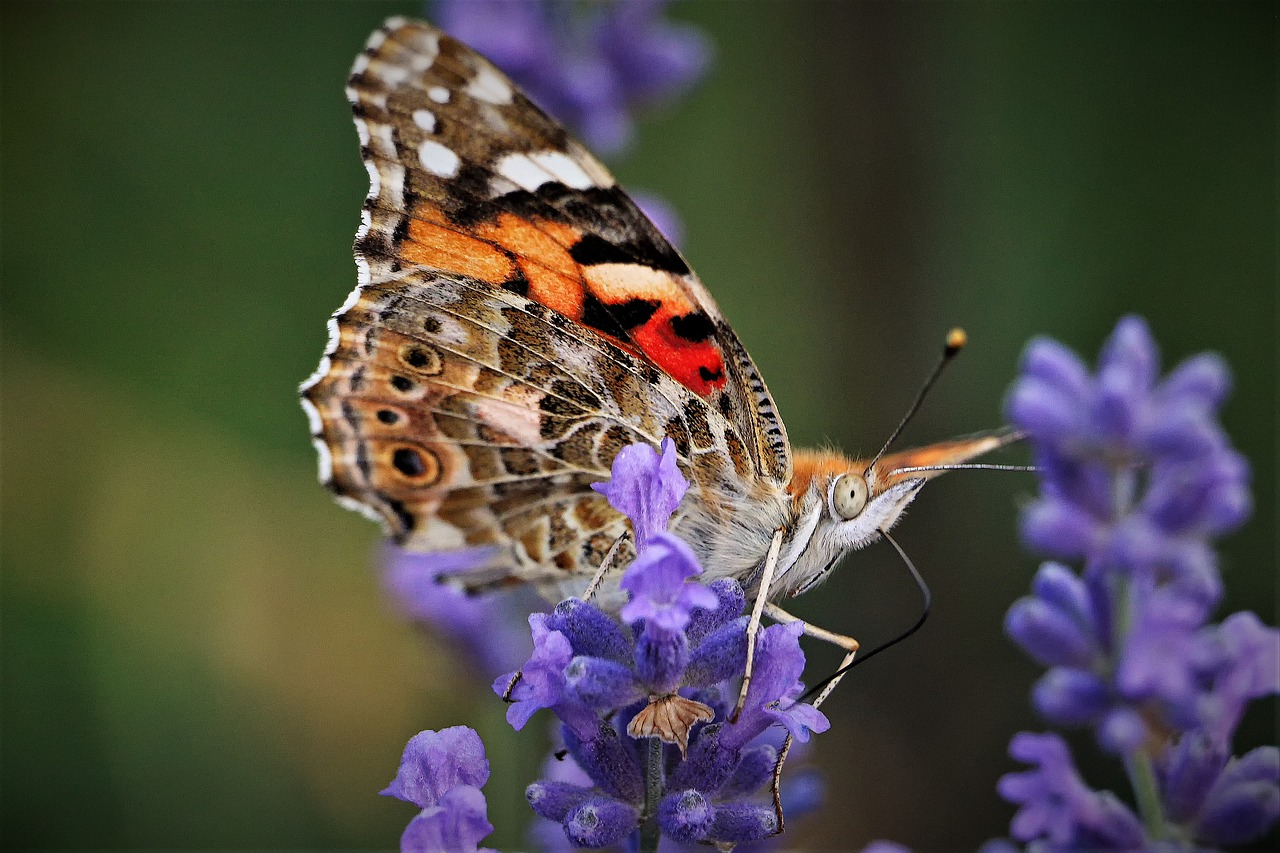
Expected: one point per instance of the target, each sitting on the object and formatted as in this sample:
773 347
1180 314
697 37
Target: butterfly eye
848 495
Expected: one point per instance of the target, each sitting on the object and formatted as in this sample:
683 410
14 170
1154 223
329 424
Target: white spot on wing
488 85
425 119
437 159
530 171
335 335
320 372
393 182
384 139
522 171
360 65
392 75
439 94
324 461
313 416
375 180
364 509
563 168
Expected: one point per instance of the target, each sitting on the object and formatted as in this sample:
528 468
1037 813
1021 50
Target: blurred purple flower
591 65
1137 480
1055 803
487 629
442 773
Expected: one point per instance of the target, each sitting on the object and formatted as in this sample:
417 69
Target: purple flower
1055 804
541 682
1137 480
660 582
592 66
486 629
645 487
664 676
442 773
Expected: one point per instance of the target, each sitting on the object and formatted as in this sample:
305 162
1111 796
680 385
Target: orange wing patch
647 311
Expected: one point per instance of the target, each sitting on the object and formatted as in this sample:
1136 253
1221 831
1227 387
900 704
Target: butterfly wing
517 322
468 175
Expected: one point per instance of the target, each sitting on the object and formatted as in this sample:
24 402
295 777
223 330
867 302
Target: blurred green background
195 648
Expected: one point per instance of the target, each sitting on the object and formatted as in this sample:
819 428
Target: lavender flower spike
1138 480
442 773
644 703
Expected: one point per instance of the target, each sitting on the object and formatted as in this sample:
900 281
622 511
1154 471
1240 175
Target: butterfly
518 321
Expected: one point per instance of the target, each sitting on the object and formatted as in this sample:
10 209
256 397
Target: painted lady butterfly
518 321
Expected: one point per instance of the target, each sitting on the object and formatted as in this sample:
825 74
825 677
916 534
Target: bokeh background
196 651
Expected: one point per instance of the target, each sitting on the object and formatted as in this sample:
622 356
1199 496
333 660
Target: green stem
1142 777
649 831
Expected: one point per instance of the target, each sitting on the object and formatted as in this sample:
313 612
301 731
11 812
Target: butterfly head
841 504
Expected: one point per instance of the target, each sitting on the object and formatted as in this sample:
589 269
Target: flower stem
1142 778
649 831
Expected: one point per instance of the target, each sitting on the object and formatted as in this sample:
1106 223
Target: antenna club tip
956 339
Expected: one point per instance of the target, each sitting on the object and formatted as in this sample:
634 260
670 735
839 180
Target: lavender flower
486 629
1138 480
442 773
644 703
593 66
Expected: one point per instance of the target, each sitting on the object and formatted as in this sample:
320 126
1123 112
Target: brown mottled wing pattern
517 322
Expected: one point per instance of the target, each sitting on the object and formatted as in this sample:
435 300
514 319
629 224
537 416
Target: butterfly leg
606 564
753 626
850 646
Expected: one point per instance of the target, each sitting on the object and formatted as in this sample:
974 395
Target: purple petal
1060 529
1203 380
554 800
686 815
600 822
457 825
1130 355
658 580
487 628
1245 802
601 683
1070 697
1050 636
1047 413
739 823
1189 769
541 683
590 631
754 771
434 762
645 487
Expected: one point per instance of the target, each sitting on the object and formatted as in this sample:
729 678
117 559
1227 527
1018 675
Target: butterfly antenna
925 594
956 339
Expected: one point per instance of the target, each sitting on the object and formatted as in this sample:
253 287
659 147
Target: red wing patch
645 310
